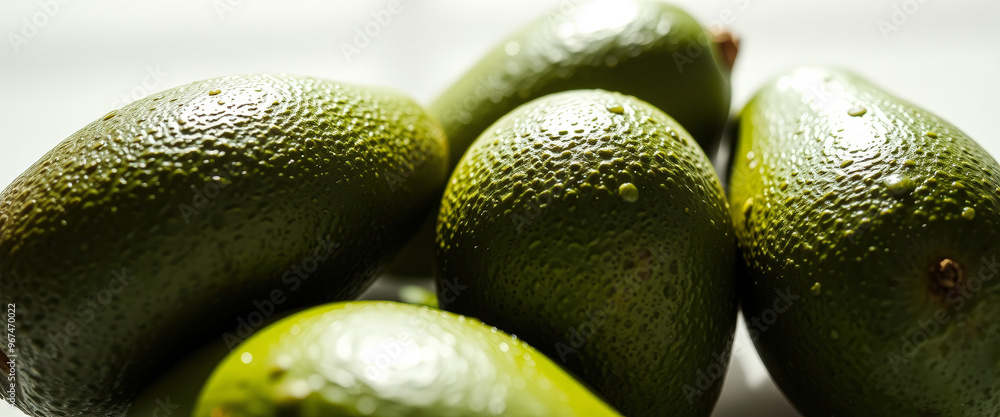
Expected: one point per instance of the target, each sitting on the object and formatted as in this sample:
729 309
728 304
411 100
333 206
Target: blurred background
65 63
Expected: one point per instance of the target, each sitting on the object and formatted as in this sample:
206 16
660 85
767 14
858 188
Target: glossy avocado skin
646 48
155 227
849 201
388 359
590 224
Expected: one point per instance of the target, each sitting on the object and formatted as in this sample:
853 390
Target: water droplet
968 213
857 111
214 92
909 163
958 185
931 134
109 115
846 163
246 358
834 335
899 185
512 48
816 289
628 192
616 110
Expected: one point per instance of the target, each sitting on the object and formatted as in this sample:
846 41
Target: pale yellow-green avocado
387 359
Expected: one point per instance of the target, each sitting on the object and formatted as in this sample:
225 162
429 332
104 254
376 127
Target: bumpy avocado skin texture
164 222
646 48
388 359
846 198
590 224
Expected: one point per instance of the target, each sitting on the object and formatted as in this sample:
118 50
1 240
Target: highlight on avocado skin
386 358
646 48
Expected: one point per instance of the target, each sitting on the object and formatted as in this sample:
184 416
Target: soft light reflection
598 15
853 137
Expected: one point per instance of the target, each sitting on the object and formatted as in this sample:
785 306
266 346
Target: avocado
869 229
382 358
591 224
646 48
200 208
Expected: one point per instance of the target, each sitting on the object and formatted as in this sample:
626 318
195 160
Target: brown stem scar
729 46
946 274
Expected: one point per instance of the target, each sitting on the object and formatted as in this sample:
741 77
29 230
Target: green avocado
645 48
869 228
194 210
591 224
388 359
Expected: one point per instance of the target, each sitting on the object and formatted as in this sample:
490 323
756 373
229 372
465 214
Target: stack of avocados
196 252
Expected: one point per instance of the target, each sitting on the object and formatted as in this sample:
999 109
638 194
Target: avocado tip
729 46
945 275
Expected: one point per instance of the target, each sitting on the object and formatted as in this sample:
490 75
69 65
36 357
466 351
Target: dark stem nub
946 275
729 47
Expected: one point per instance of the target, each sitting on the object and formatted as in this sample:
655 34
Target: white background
86 58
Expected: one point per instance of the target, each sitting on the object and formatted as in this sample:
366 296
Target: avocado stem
729 47
947 274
